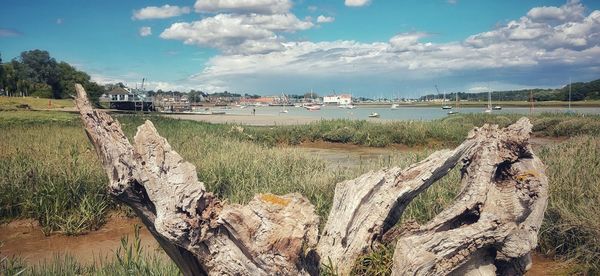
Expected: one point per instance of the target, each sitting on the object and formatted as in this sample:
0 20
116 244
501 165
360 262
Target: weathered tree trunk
492 226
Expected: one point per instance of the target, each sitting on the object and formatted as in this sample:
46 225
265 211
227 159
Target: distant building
119 94
124 99
172 103
266 100
342 99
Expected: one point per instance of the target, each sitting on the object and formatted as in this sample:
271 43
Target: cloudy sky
365 47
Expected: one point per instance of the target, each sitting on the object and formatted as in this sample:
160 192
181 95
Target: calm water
402 113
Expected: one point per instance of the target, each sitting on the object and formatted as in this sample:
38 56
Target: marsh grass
571 228
50 172
446 132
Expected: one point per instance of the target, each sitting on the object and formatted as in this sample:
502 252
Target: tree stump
491 228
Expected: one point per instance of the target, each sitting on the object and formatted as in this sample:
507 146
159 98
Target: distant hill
580 91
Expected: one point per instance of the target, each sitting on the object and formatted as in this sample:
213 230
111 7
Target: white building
343 99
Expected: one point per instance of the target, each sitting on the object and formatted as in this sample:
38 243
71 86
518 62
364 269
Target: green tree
9 81
1 75
36 66
68 77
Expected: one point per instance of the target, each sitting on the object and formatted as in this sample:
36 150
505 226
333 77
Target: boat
489 107
283 111
346 106
445 107
452 112
395 106
312 107
570 111
374 115
497 107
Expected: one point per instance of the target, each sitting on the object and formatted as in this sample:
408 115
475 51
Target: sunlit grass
14 103
571 228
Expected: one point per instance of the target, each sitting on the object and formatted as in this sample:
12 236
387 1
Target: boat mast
438 92
569 94
531 101
489 98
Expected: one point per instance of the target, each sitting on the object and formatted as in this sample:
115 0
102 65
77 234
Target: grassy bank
17 103
571 229
446 132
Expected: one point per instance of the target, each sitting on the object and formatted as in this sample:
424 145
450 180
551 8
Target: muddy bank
24 239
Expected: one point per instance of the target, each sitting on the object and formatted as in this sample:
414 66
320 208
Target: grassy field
49 171
18 103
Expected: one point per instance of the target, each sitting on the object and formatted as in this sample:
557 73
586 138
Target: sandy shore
256 120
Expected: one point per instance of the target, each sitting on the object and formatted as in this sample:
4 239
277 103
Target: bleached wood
201 234
496 216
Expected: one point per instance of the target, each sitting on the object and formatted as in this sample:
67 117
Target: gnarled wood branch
492 226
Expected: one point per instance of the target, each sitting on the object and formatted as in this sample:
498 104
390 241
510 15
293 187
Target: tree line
35 73
580 91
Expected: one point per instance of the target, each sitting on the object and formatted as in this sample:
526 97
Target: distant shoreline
484 104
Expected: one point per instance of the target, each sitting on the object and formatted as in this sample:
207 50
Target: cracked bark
490 228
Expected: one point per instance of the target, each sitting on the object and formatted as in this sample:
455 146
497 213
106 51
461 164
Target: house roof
118 91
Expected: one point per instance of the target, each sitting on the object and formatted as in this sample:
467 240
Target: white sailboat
444 99
497 107
569 111
489 107
452 112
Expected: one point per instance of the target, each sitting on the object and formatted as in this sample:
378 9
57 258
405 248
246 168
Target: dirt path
24 238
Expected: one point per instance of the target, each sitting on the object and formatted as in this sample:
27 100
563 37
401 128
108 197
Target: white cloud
523 43
572 11
162 12
145 31
255 53
452 1
243 6
231 33
479 89
408 41
547 28
356 3
59 21
325 19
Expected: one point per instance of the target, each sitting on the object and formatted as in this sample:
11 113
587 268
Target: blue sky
369 48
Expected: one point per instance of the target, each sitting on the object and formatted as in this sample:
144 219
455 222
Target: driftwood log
490 229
